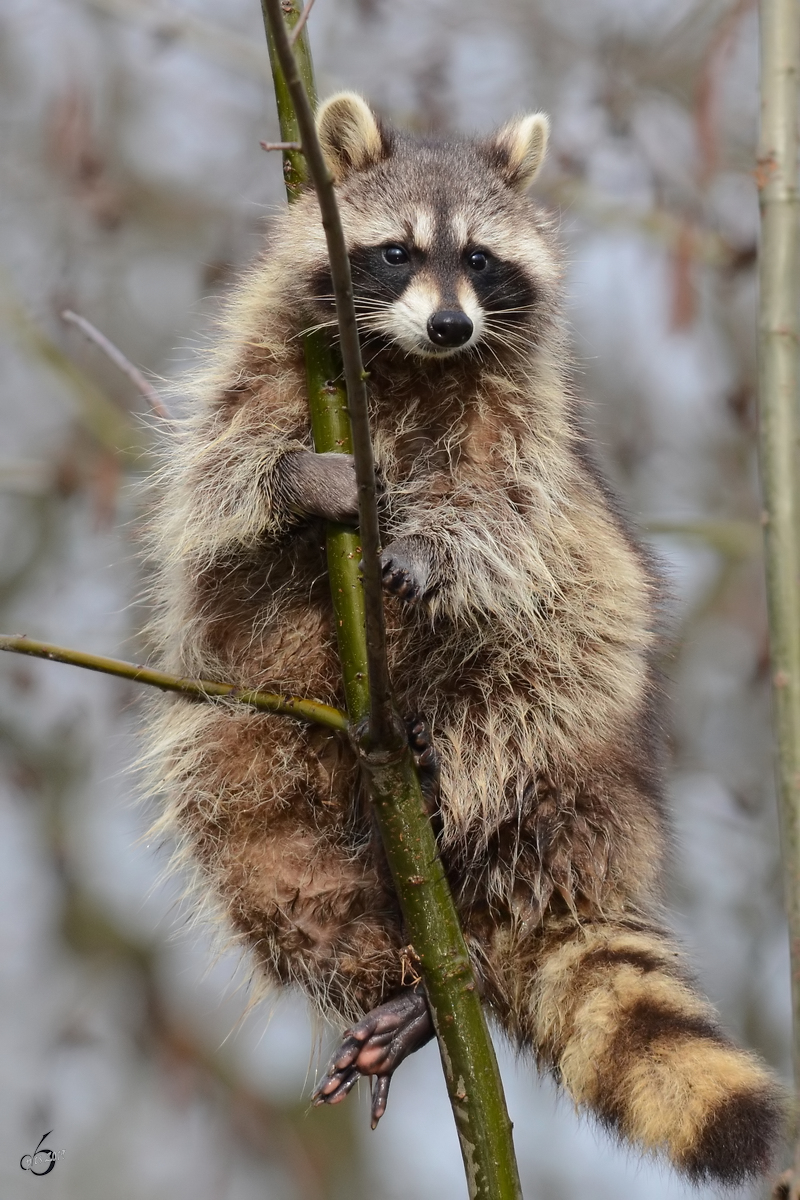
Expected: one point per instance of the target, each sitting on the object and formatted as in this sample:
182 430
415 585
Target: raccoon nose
450 327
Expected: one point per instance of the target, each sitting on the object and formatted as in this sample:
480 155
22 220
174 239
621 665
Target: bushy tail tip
740 1138
618 1018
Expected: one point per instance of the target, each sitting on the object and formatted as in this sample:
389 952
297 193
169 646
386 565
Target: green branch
330 424
778 397
432 925
197 689
381 718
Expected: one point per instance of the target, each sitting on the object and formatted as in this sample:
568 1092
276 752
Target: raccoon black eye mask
520 612
456 284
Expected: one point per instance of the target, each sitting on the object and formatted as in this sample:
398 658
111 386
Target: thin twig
382 724
119 360
280 146
298 29
311 711
105 420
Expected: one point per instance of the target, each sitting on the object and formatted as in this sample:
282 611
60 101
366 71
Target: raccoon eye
395 255
478 260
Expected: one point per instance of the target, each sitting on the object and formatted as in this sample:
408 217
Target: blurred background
134 190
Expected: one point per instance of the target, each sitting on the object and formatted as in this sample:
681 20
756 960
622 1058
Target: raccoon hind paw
376 1046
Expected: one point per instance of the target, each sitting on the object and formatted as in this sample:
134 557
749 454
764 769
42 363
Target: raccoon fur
522 621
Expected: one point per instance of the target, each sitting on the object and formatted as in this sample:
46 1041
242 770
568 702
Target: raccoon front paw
319 485
406 570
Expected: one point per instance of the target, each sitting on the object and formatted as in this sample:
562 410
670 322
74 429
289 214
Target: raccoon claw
380 1096
339 1083
376 1046
399 581
420 740
404 575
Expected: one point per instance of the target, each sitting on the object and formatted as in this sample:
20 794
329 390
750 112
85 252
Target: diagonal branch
311 711
143 385
300 26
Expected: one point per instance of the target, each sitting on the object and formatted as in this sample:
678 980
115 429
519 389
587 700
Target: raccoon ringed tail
615 1014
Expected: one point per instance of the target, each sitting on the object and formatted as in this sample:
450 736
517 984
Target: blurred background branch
142 385
779 359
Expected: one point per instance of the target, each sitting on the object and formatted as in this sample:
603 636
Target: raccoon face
447 254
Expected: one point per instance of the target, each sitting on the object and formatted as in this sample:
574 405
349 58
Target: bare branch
144 387
298 29
107 423
311 711
280 146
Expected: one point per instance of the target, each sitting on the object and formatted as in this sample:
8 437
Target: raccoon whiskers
478 352
360 301
501 312
499 320
501 366
509 336
515 347
371 312
362 319
309 329
379 348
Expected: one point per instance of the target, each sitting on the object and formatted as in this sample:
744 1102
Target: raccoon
522 621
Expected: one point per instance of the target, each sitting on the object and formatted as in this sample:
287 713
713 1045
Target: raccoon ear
351 136
517 150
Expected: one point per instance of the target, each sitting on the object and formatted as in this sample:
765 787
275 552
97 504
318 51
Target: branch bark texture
778 399
468 1058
